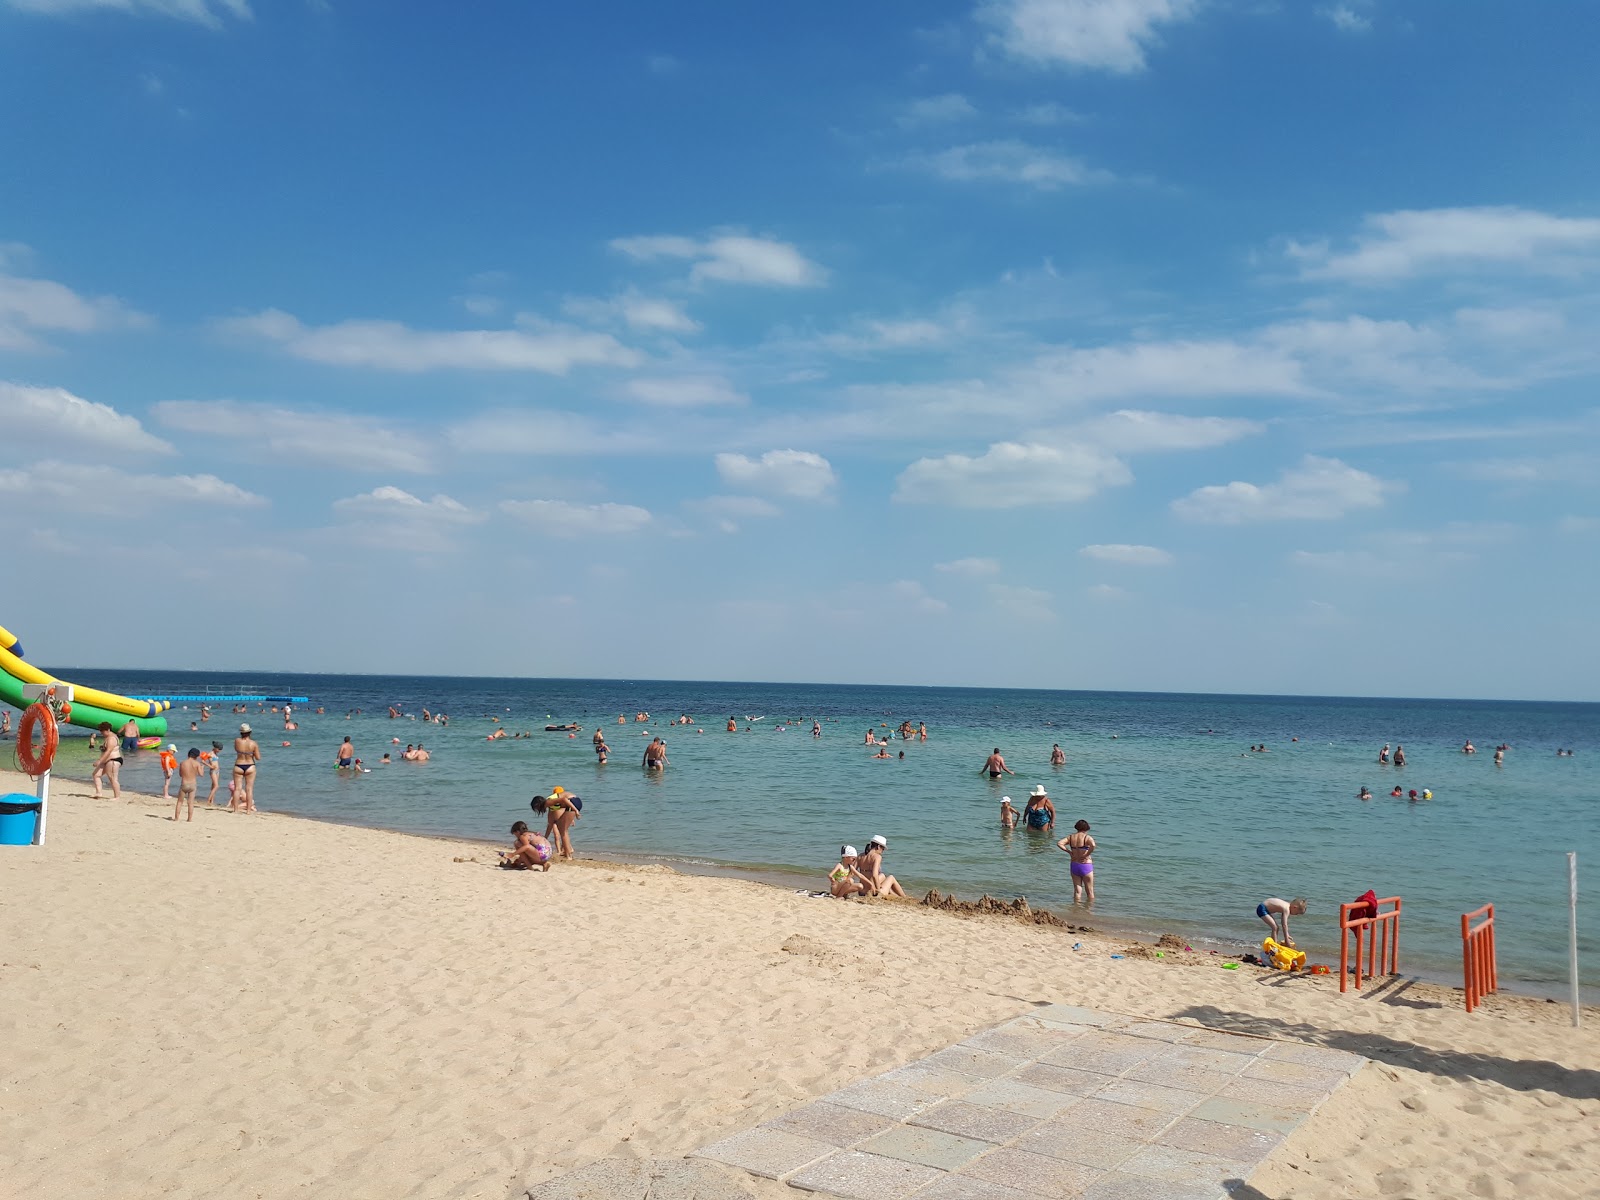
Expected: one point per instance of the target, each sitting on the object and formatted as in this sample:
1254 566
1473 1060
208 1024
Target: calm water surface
1193 830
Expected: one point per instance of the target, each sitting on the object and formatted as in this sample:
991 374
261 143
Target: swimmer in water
1364 794
1383 755
1058 757
1008 815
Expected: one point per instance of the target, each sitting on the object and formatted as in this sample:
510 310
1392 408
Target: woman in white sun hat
871 866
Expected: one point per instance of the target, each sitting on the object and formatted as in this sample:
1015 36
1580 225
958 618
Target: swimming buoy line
31 763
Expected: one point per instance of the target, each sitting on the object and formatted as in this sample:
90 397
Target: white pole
43 794
1572 936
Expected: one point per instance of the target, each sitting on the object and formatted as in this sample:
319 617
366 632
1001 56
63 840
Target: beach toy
1230 966
1117 956
1281 957
1160 954
1077 945
148 743
1320 969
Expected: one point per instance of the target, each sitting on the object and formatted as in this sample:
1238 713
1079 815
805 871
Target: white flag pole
1572 936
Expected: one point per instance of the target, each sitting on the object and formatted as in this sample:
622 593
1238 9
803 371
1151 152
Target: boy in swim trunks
1081 847
1275 912
188 780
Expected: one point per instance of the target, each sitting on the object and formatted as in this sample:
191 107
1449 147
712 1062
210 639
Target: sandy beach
272 1007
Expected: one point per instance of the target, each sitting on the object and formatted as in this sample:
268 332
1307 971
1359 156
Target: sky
1186 345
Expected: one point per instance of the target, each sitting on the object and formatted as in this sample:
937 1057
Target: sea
1193 827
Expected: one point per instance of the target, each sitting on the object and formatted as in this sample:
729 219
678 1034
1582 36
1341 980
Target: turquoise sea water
1193 829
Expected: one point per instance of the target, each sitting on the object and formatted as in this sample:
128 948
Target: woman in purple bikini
1081 847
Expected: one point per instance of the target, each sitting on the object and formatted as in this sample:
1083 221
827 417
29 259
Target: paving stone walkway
1062 1102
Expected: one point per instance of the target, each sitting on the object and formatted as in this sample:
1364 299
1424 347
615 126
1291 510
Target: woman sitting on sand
871 868
559 810
527 852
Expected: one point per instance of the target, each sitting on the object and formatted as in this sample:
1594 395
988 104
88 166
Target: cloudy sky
1214 345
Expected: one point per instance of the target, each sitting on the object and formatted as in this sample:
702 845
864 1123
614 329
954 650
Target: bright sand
271 1007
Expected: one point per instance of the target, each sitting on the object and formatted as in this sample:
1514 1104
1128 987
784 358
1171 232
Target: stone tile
859 1176
1148 1095
886 1099
1161 1031
1235 1043
1279 1095
969 1061
975 1121
1105 1052
1224 1141
963 1187
1117 1186
1175 1075
1229 1111
1089 1147
831 1123
930 1147
1102 1116
1266 1067
1034 1174
1026 1037
769 1152
1071 1014
1171 1165
931 1081
1342 1061
1224 1062
1022 1099
1062 1079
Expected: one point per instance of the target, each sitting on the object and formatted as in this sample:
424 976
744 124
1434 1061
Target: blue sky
1145 344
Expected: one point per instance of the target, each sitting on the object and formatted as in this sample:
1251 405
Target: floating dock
254 698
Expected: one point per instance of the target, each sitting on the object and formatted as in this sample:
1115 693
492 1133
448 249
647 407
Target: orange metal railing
1376 938
1477 955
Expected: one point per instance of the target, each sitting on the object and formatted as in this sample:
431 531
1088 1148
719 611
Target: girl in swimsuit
109 763
529 850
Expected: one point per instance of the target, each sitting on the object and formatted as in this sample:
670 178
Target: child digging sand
529 850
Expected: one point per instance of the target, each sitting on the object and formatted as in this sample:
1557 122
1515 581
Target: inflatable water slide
90 706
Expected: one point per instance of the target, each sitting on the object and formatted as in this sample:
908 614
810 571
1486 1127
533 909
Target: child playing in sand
527 852
1008 815
1273 911
188 780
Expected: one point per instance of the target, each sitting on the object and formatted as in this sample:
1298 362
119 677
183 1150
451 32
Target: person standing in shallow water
1080 846
1399 755
1057 757
996 765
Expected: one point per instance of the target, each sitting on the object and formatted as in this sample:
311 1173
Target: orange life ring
31 763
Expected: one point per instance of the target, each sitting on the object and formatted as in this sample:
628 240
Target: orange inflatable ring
30 762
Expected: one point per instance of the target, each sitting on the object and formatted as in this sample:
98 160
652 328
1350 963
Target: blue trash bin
19 819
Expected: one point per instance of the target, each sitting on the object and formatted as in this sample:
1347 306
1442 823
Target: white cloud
1097 35
1022 603
29 307
1048 113
1011 475
1130 431
1347 20
209 13
730 258
1569 467
969 568
112 492
343 440
1405 244
936 110
1574 524
686 391
548 432
1007 161
1128 556
728 511
394 504
1319 489
872 336
54 419
561 518
797 473
1512 324
388 345
650 314
911 594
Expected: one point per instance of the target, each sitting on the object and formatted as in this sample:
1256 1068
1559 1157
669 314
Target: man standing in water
1057 757
1399 755
995 765
655 755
